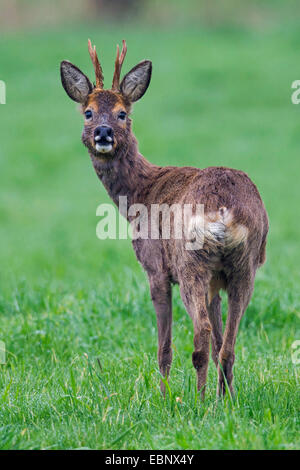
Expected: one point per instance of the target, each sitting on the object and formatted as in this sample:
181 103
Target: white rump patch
217 227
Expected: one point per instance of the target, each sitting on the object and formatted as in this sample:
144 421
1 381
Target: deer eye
122 115
88 114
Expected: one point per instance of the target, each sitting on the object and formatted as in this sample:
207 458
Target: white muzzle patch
103 148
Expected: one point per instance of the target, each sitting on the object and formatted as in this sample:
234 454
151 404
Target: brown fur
228 259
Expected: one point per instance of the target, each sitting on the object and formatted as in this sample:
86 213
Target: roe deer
234 225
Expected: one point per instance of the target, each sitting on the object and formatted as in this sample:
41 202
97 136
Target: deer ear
136 82
75 83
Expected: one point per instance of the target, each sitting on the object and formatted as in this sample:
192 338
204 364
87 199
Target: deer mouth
104 145
103 148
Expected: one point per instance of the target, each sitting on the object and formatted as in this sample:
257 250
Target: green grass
75 312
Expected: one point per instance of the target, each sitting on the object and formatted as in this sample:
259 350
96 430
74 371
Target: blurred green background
223 87
220 95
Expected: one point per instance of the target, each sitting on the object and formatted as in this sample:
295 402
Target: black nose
103 133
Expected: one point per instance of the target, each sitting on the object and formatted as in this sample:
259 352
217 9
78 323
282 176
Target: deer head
107 125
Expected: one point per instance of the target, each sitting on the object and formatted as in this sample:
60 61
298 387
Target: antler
97 66
118 65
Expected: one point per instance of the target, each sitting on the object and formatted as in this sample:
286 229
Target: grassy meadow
75 312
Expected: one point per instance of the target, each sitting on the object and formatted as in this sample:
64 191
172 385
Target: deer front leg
161 294
195 302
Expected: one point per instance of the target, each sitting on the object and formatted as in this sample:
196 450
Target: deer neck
126 174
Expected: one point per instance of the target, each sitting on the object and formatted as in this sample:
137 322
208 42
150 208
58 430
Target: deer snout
103 137
103 133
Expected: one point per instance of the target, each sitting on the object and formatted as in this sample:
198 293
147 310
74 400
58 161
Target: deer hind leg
215 314
161 295
239 290
215 318
194 298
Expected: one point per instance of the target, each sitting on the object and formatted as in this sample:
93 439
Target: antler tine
118 65
96 64
123 53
